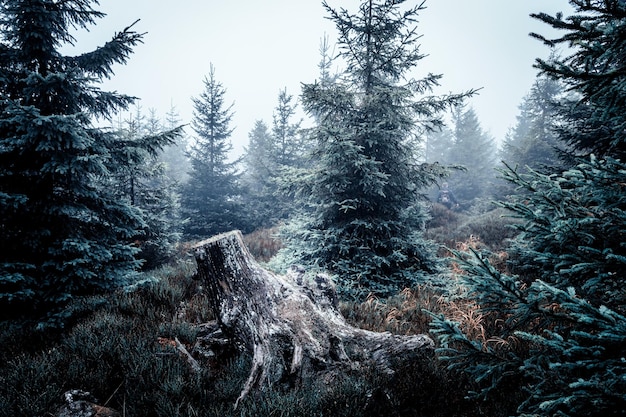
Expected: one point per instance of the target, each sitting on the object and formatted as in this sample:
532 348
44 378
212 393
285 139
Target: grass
121 349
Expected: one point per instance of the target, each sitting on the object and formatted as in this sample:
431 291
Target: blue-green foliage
573 228
561 319
564 351
557 328
271 160
145 184
361 215
210 197
61 233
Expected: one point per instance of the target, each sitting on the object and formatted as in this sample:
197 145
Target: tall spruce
559 326
61 233
362 217
210 197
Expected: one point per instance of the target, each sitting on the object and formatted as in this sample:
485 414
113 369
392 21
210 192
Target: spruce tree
174 156
286 145
210 198
438 145
145 184
558 325
474 150
533 141
258 187
594 70
61 233
362 218
272 158
326 74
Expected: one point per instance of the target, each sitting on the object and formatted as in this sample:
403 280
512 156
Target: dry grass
263 244
406 313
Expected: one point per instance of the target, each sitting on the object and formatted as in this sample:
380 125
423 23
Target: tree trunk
290 324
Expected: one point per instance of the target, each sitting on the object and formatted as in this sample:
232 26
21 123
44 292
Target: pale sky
259 47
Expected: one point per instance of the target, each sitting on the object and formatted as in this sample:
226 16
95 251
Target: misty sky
259 47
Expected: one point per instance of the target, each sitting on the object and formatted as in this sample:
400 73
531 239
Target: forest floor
127 349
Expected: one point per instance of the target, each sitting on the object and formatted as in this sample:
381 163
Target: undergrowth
122 349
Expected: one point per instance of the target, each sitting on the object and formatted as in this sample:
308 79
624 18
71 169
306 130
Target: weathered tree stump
290 324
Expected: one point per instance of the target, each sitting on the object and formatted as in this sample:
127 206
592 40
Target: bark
289 323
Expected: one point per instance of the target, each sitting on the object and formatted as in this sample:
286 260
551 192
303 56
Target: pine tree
533 141
61 234
257 178
595 119
560 320
146 186
174 156
474 150
286 146
210 197
363 216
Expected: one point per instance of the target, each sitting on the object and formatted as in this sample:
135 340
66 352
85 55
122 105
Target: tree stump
290 324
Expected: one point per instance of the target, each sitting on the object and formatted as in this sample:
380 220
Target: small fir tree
286 145
210 198
174 156
287 155
438 145
325 64
272 159
259 190
362 218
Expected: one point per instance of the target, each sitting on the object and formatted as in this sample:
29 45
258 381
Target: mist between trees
529 235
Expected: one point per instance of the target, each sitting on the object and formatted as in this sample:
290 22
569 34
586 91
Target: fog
258 48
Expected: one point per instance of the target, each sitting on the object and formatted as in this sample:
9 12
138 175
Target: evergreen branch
116 51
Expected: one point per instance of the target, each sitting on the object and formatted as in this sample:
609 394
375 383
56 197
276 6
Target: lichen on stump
290 325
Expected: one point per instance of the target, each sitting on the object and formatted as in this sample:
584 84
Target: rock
80 403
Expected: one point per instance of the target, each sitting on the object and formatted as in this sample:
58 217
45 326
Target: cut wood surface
289 323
